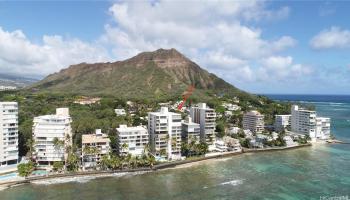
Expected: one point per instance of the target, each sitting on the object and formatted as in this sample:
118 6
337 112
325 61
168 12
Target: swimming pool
5 177
40 172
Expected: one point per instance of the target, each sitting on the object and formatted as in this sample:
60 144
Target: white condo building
8 133
282 122
45 129
323 128
253 121
94 146
303 121
164 129
190 131
132 140
206 117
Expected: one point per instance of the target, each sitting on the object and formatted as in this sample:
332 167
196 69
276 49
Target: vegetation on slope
87 118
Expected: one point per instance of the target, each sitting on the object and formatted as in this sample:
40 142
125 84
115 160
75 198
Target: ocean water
308 173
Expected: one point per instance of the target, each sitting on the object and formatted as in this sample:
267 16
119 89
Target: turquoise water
307 173
40 172
8 176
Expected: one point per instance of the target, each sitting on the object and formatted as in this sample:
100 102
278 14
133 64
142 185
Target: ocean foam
61 180
233 182
83 179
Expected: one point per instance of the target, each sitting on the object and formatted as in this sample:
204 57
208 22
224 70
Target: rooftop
93 138
125 128
253 112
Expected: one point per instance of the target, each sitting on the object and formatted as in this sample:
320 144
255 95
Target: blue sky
295 47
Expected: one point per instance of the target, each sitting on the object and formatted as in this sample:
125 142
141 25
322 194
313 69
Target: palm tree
126 160
162 152
72 162
105 162
115 162
68 138
58 144
90 153
125 147
146 149
30 144
151 160
133 162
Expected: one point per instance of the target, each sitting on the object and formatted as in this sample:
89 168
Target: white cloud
218 35
214 35
333 38
18 55
143 26
282 68
228 66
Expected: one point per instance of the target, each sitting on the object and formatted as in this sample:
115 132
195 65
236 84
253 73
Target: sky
266 47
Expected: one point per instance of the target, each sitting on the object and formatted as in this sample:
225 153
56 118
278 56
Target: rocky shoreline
169 165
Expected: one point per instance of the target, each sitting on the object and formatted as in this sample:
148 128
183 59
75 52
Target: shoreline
163 166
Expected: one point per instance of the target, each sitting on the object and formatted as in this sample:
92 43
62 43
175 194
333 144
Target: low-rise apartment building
132 140
94 146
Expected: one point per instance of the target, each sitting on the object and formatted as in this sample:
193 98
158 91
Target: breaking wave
83 179
233 182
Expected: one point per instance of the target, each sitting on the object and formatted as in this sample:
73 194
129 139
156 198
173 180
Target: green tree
105 162
58 144
72 163
125 147
241 133
245 142
220 129
30 145
115 162
57 166
25 169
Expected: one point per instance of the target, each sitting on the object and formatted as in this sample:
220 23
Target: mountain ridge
159 73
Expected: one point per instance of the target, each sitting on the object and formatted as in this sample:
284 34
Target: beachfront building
282 122
120 112
94 146
323 128
190 131
303 121
206 117
8 133
52 134
164 130
253 121
132 140
232 143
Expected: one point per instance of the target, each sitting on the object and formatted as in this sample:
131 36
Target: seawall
147 169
